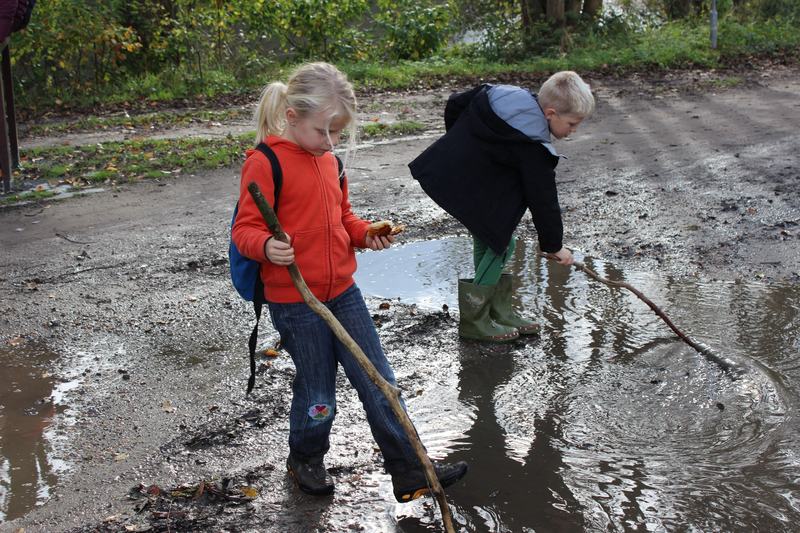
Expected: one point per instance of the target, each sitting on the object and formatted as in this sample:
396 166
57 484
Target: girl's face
316 133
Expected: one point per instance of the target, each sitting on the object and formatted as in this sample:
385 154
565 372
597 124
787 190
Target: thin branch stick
721 361
68 239
391 393
76 272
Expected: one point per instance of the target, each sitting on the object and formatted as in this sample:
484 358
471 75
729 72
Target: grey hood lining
520 109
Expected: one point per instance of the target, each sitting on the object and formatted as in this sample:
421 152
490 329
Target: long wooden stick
723 362
391 393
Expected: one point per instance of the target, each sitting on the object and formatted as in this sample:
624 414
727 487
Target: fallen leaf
200 489
16 341
249 492
271 352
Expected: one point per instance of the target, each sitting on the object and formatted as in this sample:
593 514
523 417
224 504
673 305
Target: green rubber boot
503 312
474 305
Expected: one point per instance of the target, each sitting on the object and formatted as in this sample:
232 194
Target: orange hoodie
314 211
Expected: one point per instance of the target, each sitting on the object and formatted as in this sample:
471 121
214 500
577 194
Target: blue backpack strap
258 293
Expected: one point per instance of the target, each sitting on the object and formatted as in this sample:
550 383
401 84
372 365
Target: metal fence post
714 24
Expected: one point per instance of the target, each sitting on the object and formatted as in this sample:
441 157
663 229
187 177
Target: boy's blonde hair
567 93
311 88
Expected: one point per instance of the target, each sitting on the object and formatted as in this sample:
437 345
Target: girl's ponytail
270 115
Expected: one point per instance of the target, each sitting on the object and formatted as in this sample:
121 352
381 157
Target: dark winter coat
487 173
14 16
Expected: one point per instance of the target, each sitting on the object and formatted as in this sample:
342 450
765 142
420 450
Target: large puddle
609 422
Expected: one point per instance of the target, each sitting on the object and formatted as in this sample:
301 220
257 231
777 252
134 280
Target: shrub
413 29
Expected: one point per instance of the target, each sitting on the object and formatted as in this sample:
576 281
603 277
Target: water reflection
609 422
515 462
27 407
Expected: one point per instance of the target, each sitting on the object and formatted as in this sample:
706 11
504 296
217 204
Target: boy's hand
379 243
279 252
564 257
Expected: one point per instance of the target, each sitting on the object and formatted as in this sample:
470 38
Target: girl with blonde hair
301 122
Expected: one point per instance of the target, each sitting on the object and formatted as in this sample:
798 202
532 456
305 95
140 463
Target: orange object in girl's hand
384 228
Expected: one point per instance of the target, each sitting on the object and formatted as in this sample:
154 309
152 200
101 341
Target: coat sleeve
250 232
541 196
355 227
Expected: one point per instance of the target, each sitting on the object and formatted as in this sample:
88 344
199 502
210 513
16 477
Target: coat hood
520 109
505 113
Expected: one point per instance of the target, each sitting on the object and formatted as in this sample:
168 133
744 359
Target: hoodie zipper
328 243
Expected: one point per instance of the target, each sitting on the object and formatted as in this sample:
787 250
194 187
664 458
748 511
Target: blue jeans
316 353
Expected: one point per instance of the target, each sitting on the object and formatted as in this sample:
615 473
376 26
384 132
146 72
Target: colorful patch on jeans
319 411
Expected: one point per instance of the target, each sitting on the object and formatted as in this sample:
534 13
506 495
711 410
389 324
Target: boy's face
562 124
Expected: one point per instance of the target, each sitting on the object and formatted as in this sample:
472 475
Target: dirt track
134 283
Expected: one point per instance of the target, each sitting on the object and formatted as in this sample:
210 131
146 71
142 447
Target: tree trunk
573 7
538 9
677 9
592 8
524 7
555 11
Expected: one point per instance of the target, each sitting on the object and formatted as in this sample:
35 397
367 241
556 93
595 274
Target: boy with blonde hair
495 161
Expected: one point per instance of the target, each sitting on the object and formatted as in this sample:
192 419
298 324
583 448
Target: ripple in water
608 421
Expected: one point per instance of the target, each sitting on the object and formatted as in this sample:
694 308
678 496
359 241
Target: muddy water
608 422
29 399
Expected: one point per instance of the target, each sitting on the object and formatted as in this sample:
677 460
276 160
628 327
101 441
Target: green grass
159 120
726 82
673 45
29 196
126 161
133 160
381 129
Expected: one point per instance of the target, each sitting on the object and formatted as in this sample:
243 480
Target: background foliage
78 52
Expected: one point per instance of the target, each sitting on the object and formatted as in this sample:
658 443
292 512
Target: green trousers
489 265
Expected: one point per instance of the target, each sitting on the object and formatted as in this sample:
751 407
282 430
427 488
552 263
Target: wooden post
391 393
11 111
6 122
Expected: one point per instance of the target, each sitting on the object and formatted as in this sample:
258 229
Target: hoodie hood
520 109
